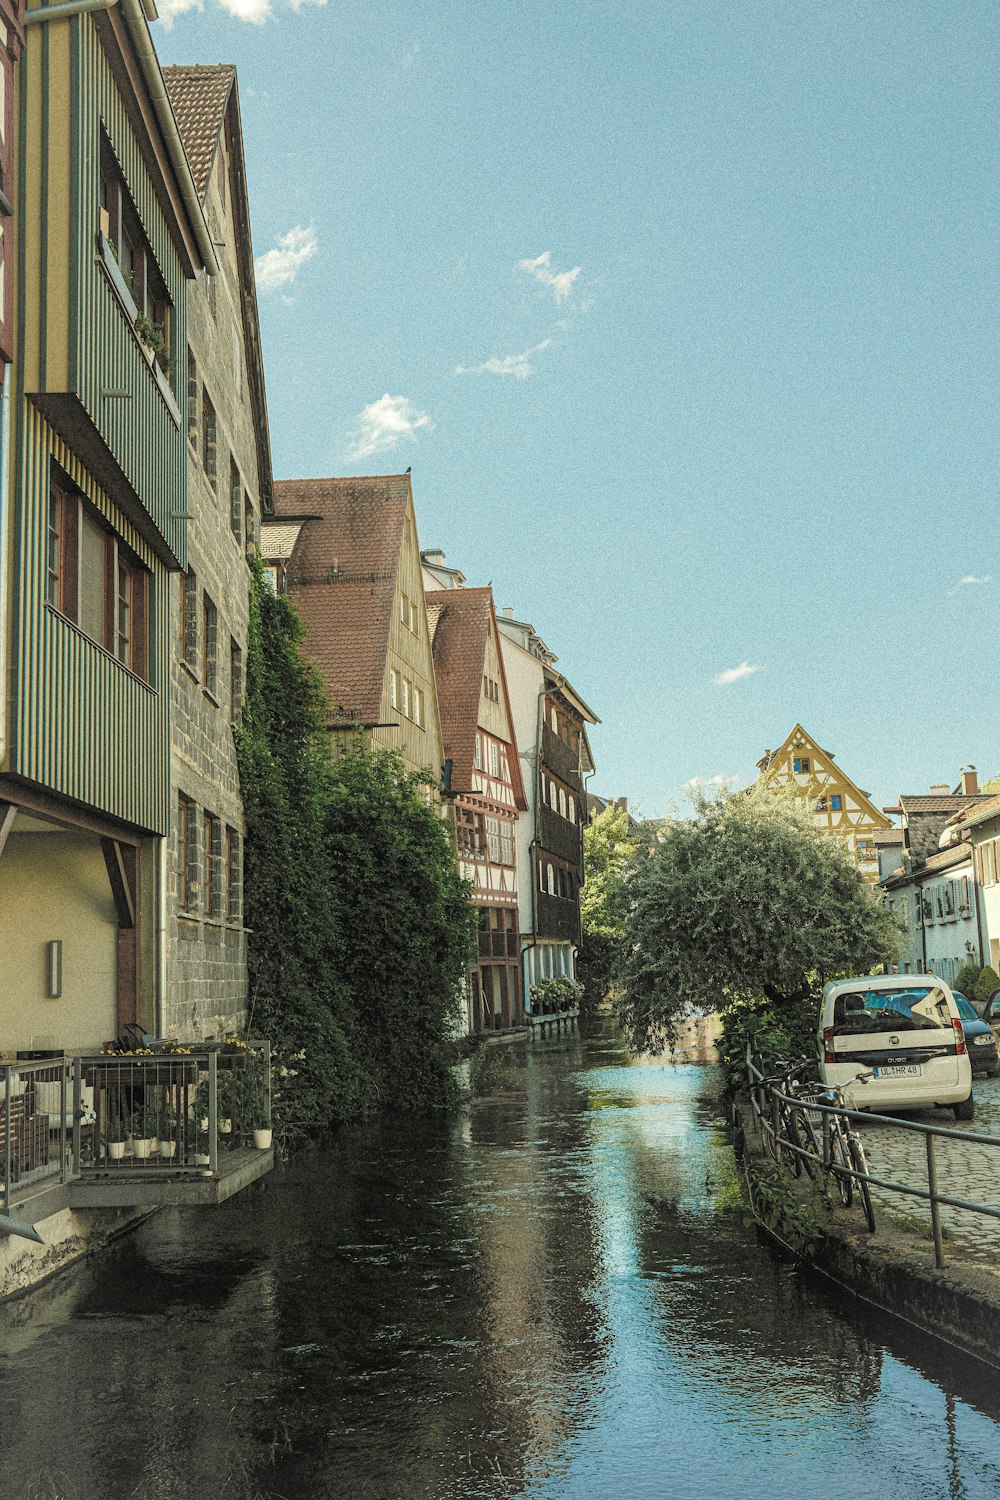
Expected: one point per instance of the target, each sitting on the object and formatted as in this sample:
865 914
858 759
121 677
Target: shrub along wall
360 926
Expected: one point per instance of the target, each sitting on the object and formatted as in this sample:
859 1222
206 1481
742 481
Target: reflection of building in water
540 1269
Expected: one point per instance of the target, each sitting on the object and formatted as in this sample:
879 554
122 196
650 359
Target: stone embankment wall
69 1235
893 1269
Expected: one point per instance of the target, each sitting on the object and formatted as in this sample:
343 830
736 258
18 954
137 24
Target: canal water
548 1296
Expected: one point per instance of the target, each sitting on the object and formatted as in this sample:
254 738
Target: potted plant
199 1139
143 1133
262 1133
116 1137
166 1120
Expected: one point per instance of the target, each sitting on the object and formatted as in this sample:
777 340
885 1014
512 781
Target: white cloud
409 57
169 10
278 267
733 674
254 11
518 365
970 578
386 422
559 283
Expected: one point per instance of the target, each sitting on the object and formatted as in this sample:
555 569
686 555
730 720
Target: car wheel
965 1109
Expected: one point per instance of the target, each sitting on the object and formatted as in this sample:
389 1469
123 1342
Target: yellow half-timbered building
839 807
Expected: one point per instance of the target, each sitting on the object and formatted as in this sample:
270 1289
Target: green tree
747 901
968 976
359 924
607 850
988 981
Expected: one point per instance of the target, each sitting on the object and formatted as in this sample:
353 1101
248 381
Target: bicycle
847 1161
793 1125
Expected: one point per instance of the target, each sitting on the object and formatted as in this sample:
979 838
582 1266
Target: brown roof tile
342 579
199 96
462 621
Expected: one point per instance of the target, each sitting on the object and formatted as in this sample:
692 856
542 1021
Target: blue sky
684 316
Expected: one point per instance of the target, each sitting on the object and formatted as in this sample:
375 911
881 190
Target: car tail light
829 1055
961 1050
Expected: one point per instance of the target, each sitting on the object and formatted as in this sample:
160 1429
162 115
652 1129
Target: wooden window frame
235 501
209 440
209 644
235 680
187 854
214 903
234 876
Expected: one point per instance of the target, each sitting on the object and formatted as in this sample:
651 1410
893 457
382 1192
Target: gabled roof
341 577
799 737
462 622
201 97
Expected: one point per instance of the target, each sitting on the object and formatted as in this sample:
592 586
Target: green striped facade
83 726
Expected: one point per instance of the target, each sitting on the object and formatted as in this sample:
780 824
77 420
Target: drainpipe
5 524
68 8
159 1008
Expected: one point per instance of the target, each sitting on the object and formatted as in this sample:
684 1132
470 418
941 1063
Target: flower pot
226 1127
262 1139
143 1147
201 1159
116 1150
167 1148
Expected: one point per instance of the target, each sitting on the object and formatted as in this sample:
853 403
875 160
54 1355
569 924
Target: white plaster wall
55 885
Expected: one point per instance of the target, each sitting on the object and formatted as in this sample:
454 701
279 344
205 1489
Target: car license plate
899 1070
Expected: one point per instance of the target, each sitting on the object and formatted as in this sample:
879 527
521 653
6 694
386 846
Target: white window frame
393 687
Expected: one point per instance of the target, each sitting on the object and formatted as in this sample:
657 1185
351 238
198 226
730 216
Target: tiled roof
884 838
199 96
278 540
928 804
463 619
342 579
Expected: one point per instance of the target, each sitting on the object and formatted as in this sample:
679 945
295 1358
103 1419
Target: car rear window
914 1009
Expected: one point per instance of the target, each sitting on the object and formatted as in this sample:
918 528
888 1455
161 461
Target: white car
904 1029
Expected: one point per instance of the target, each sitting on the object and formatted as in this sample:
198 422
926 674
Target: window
187 854
562 803
192 401
235 499
493 839
506 844
800 764
208 439
553 796
493 750
555 719
94 579
393 687
189 622
418 707
134 262
479 752
541 876
820 805
571 801
209 626
237 361
413 617
504 766
235 680
550 880
406 697
836 802
234 891
249 528
213 866
404 609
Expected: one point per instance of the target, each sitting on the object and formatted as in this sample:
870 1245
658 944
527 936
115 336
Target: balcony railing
143 1127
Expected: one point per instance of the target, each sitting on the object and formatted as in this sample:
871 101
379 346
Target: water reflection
541 1298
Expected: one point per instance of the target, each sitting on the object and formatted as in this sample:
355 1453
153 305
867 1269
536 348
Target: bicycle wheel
805 1137
840 1166
860 1165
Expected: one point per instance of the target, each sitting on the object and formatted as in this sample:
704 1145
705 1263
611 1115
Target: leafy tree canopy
748 899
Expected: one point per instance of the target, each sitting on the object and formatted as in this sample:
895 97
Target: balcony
560 759
559 836
120 1130
557 917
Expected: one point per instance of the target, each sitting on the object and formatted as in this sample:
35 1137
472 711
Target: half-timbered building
483 785
839 807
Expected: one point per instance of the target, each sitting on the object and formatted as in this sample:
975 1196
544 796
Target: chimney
970 783
622 804
941 791
508 612
433 557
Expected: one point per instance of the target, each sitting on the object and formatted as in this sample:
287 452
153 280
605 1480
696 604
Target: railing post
8 1132
935 1207
776 1124
63 1101
827 1138
213 1111
77 1111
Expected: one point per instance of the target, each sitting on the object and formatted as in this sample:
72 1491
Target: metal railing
771 1102
144 1112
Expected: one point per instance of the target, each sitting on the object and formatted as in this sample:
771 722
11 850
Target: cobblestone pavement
964 1170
